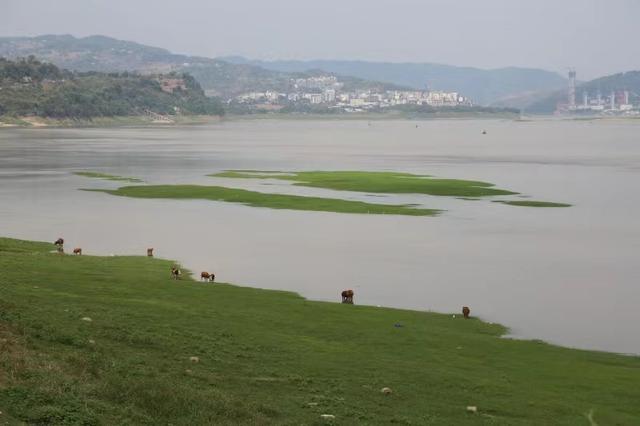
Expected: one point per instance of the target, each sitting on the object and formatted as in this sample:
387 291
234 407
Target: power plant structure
618 102
613 100
572 89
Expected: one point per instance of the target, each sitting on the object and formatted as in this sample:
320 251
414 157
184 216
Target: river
569 276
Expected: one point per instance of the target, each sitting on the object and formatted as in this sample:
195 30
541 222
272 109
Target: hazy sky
595 36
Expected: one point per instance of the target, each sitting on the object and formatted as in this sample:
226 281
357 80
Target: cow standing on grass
347 297
175 273
59 243
207 276
466 312
150 252
77 251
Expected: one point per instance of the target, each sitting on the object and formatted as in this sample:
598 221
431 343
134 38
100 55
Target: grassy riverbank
272 201
144 120
108 340
118 121
442 114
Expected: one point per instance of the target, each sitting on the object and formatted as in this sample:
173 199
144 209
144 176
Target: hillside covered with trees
29 87
106 54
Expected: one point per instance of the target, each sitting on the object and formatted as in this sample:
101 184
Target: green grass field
106 176
272 201
268 357
377 182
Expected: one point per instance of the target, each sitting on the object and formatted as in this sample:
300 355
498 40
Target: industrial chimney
613 100
572 89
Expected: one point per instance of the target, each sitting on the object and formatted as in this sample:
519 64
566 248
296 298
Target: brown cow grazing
59 242
347 297
466 311
207 276
175 273
77 251
150 252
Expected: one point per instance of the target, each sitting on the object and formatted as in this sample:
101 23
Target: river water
565 275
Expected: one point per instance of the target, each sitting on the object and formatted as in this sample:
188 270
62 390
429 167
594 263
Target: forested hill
29 87
483 86
106 54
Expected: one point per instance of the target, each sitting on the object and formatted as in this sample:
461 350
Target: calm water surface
569 276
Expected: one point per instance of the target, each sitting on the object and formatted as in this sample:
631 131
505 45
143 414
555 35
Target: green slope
29 87
268 357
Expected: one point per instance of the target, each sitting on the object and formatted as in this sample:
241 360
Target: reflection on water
564 275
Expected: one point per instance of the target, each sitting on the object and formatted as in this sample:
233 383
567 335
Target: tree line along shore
41 93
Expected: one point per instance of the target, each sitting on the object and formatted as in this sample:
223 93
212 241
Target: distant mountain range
105 54
533 90
483 86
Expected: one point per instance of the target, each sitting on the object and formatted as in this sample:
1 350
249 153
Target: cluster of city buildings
327 91
615 102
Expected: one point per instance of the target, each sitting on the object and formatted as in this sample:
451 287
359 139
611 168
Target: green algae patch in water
531 203
106 176
272 201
